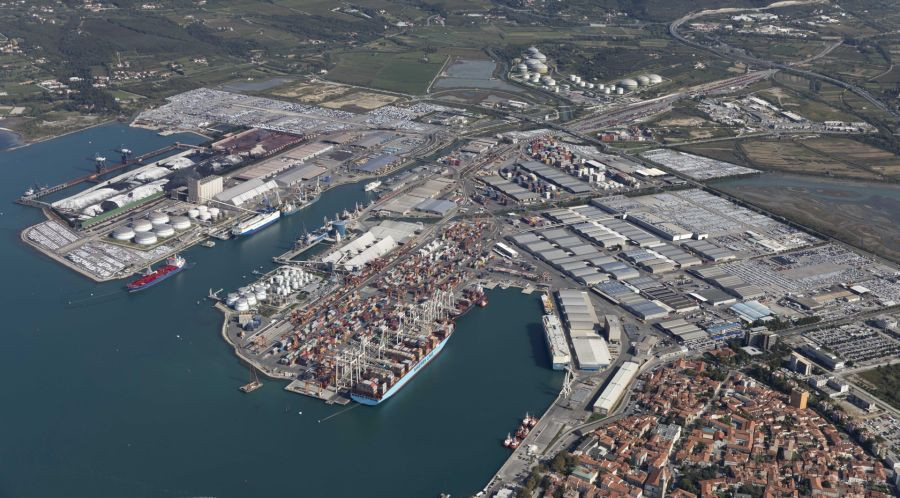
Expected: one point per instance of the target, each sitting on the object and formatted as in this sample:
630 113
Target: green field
398 72
884 382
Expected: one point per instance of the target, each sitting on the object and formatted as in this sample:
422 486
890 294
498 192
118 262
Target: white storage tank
205 216
251 299
123 233
142 226
655 79
241 305
193 213
620 91
145 238
163 230
180 222
214 212
232 298
156 217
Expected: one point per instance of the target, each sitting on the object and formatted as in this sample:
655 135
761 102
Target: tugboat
508 441
174 265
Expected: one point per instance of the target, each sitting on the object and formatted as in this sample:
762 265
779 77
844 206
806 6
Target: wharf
328 395
34 199
287 257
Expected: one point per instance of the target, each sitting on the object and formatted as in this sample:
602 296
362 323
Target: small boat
372 186
508 441
208 243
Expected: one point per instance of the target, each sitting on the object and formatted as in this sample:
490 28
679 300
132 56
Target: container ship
256 223
382 385
174 265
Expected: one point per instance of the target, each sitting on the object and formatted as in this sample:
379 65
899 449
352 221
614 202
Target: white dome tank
655 79
214 212
142 226
232 298
163 230
157 217
241 305
251 299
193 213
180 222
260 295
643 80
628 84
205 216
145 238
123 233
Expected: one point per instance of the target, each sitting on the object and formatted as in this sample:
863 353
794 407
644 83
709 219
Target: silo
214 212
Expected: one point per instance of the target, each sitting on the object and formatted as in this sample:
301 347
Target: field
884 382
360 101
794 101
404 72
837 157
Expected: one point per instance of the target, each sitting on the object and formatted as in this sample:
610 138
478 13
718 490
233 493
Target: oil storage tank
142 226
123 233
145 238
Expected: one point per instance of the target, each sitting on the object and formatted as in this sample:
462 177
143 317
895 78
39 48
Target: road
739 55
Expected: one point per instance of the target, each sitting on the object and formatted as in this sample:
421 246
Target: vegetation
885 383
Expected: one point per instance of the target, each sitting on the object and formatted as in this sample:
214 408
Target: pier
34 199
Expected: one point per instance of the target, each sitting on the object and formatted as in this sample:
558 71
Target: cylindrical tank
142 226
214 212
193 213
601 86
340 228
251 299
606 91
145 238
541 68
163 230
241 305
620 91
205 216
180 222
628 84
643 80
535 78
157 217
232 298
123 233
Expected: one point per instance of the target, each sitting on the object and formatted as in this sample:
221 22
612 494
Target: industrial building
299 174
613 328
592 353
245 192
822 357
556 342
616 387
201 190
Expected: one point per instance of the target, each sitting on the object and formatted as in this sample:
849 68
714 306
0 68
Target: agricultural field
795 101
837 157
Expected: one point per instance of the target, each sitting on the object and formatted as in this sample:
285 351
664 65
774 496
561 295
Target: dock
34 199
328 395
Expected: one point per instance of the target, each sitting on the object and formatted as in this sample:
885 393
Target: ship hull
251 231
158 280
365 400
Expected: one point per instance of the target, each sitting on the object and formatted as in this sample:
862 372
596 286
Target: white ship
256 223
372 186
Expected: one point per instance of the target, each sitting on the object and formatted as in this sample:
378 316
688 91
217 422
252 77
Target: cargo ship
256 223
174 265
374 396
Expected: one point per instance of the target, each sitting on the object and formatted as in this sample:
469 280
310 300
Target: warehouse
439 207
616 388
245 192
512 190
556 342
591 352
579 312
556 177
298 174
